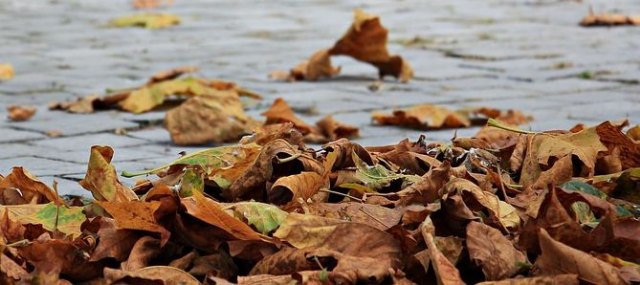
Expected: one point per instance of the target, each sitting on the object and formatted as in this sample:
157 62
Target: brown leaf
149 275
291 188
423 117
204 119
379 217
332 130
266 279
568 279
605 19
304 231
171 73
210 212
136 215
496 254
32 189
318 66
286 261
218 264
613 138
446 272
11 269
281 112
112 242
145 249
60 256
366 40
82 105
20 113
489 138
149 4
101 178
558 258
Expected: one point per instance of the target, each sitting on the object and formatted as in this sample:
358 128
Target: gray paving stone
11 135
86 141
41 166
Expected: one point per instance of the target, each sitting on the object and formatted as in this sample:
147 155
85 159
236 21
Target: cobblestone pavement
529 55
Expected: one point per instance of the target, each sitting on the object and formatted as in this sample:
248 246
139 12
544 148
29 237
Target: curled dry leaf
568 279
147 275
20 113
366 40
31 188
101 178
446 273
147 20
281 112
423 117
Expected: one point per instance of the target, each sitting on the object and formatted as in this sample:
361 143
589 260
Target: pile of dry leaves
504 207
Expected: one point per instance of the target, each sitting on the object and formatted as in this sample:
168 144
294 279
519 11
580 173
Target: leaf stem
341 194
499 125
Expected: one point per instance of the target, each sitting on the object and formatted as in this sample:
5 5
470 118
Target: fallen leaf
606 19
264 217
112 242
20 113
211 212
171 73
61 218
291 188
496 254
446 273
147 275
558 258
568 279
6 72
318 66
31 188
303 231
147 20
634 133
150 4
333 130
423 117
101 178
366 40
281 112
205 119
375 216
136 215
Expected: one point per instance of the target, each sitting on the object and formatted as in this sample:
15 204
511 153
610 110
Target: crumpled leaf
366 40
558 258
52 217
18 113
205 119
264 217
281 112
147 20
496 255
423 117
318 66
375 216
31 188
6 72
101 178
568 279
291 188
112 242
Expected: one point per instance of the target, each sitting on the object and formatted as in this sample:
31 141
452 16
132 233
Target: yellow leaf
147 20
6 71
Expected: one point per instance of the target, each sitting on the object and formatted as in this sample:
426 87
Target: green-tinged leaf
584 214
147 20
191 182
209 159
576 185
264 217
69 218
101 178
378 176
